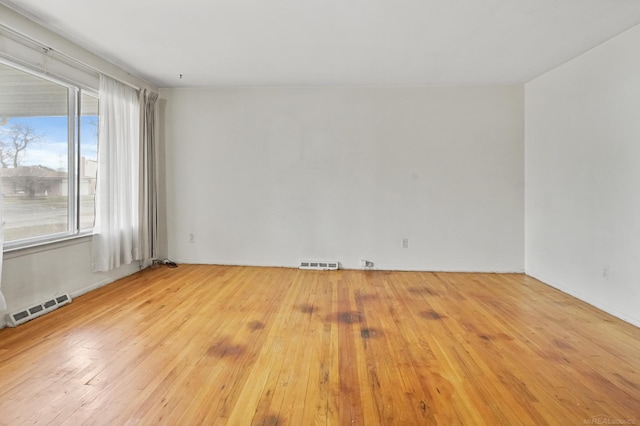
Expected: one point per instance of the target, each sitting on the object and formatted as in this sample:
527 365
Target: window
88 154
48 156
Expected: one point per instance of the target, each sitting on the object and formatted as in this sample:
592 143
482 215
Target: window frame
75 91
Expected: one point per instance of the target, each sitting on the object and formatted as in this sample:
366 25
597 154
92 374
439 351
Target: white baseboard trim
566 289
353 267
127 270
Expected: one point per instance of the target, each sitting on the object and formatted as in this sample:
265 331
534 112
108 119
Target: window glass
88 158
34 154
48 157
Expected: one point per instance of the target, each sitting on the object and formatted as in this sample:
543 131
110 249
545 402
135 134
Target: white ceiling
335 42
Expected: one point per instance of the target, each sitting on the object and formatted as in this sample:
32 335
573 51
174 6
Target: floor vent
320 265
20 316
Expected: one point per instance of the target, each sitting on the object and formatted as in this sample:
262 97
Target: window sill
13 252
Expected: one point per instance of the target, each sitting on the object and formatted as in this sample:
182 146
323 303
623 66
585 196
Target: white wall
32 275
583 176
274 176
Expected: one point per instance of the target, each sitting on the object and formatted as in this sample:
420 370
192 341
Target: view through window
48 153
88 153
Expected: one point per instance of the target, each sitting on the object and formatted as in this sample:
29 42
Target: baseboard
351 267
127 270
567 290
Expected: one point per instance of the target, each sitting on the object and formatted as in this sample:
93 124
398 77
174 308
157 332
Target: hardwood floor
271 346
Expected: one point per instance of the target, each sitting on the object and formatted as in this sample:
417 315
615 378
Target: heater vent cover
320 265
23 315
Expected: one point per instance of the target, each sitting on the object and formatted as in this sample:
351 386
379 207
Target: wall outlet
366 264
404 243
192 238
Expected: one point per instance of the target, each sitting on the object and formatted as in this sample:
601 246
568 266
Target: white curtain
148 179
116 239
3 304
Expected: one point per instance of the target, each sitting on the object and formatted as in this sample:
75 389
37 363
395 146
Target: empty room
303 213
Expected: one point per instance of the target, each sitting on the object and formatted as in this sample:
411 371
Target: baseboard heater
23 315
320 265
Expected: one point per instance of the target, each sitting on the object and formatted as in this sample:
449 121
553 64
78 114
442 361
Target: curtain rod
48 49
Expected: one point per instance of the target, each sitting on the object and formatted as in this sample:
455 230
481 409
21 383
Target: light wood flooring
208 345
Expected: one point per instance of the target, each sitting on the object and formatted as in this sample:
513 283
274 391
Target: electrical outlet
366 264
192 238
404 243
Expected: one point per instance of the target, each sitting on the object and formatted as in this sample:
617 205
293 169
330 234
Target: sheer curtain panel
116 239
148 177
